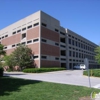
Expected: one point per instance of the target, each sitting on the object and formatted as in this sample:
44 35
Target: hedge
93 72
40 70
1 71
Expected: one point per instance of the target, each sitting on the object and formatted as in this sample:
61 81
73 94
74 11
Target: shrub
1 71
93 72
40 70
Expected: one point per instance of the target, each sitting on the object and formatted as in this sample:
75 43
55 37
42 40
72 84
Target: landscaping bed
93 72
41 70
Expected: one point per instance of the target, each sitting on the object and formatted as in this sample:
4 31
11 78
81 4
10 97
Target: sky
80 16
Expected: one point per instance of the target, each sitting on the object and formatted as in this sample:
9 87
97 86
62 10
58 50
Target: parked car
80 66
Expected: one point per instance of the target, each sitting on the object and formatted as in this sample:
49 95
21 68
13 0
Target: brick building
52 45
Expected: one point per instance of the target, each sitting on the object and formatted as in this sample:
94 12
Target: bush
40 70
93 72
1 71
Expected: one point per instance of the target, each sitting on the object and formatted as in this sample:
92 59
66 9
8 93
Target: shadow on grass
8 84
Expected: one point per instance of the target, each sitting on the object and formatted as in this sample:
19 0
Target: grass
20 89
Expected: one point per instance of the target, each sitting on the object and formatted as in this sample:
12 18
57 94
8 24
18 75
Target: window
62 46
56 30
13 45
63 52
36 24
18 31
43 24
69 41
2 37
14 32
5 47
23 42
35 57
23 35
44 57
70 53
56 58
29 27
57 44
72 42
62 33
63 59
35 40
23 29
18 44
69 35
62 40
6 35
29 41
43 40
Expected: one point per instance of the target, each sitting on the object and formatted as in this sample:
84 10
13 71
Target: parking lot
74 77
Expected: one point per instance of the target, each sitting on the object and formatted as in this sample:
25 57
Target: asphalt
73 77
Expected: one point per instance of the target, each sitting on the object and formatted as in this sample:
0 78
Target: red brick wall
34 47
46 63
9 51
49 34
11 40
50 50
33 33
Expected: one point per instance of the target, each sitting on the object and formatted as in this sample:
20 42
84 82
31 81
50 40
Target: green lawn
20 89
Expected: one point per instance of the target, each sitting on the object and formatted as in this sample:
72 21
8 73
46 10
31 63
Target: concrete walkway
74 77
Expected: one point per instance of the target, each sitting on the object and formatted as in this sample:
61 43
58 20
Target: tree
21 57
2 52
8 61
97 56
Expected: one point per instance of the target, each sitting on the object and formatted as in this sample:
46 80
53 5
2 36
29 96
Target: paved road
74 77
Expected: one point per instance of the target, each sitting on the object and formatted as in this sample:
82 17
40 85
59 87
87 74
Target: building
52 45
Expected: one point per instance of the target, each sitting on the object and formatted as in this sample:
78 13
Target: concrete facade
52 45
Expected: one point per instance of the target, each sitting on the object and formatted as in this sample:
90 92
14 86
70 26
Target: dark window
35 40
44 57
76 54
18 44
35 57
14 32
43 40
72 36
43 24
62 33
69 35
57 44
63 59
36 24
56 58
70 53
73 53
23 42
56 30
62 46
29 41
23 35
69 41
23 29
5 47
13 45
29 27
18 31
6 35
2 37
63 53
62 40
72 42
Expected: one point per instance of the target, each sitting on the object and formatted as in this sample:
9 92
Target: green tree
2 52
21 57
97 56
8 61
